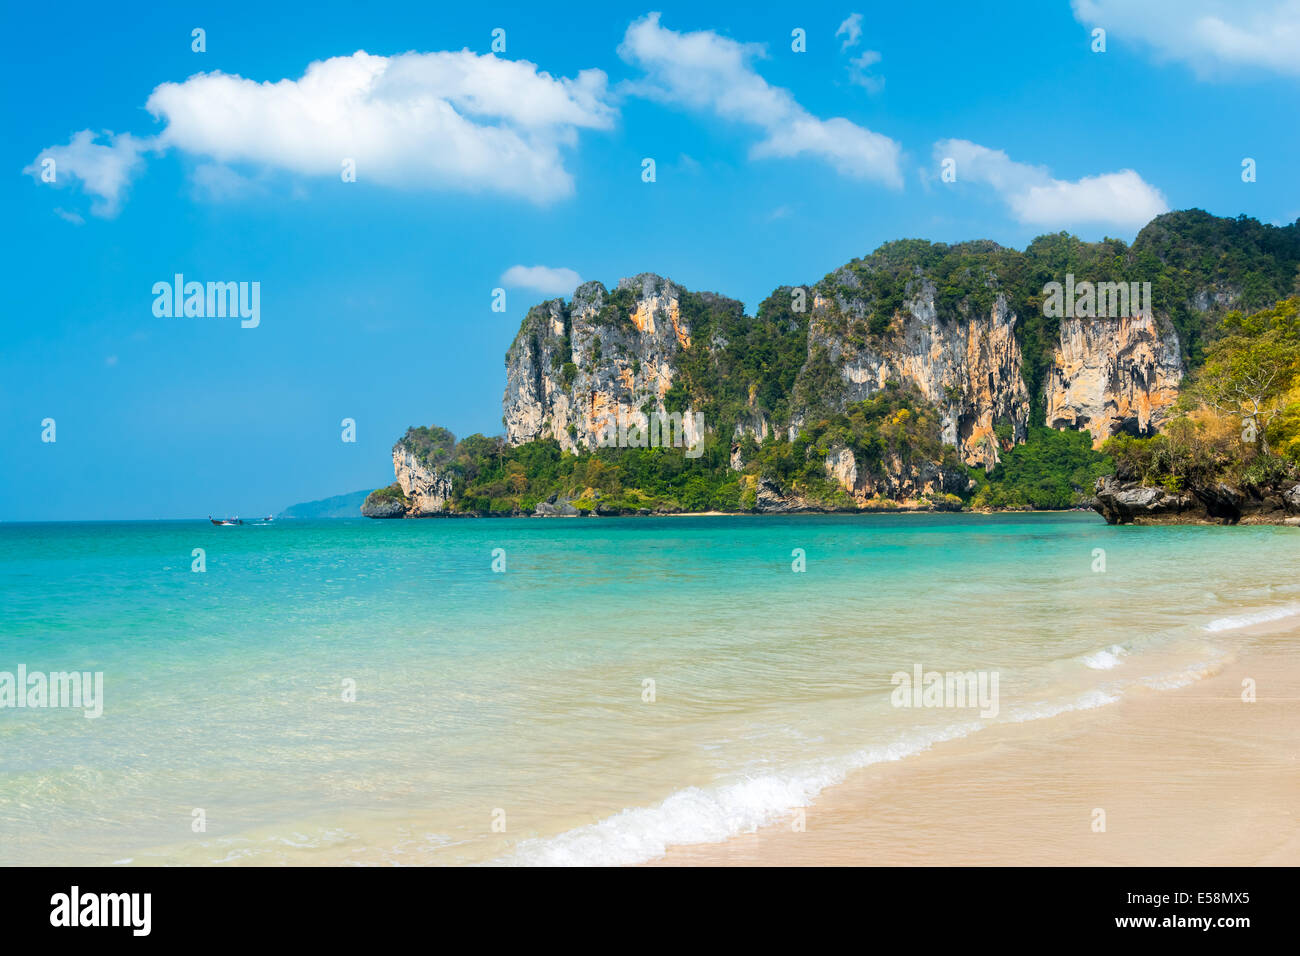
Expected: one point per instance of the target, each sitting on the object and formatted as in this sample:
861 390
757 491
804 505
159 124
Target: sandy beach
1192 776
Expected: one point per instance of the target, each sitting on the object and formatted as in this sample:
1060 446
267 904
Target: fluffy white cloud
852 30
446 120
441 120
1035 198
1208 35
542 279
103 169
705 71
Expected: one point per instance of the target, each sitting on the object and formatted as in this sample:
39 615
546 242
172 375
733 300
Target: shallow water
518 700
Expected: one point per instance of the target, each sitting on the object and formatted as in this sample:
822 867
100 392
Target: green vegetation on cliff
391 492
1239 418
1198 265
1051 470
757 375
1186 253
492 477
894 436
431 445
750 371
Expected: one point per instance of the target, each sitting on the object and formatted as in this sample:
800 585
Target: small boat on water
224 521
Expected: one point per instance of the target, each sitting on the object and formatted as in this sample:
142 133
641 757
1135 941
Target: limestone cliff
421 489
965 363
882 382
911 486
575 367
427 488
1112 375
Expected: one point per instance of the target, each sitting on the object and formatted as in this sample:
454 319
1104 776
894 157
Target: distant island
338 506
1154 382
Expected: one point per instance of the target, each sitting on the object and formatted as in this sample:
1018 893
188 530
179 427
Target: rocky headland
917 378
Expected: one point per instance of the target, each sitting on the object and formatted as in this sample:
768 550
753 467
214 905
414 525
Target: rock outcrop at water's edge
385 503
428 489
1129 502
420 490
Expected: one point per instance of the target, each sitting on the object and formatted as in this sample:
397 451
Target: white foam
715 814
1258 617
1105 659
1085 701
697 815
1172 680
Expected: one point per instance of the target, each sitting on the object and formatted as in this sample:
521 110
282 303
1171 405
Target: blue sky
772 167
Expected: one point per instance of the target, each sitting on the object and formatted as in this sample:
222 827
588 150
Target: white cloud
542 279
1035 198
445 120
860 65
705 71
860 71
440 120
1208 35
102 169
852 29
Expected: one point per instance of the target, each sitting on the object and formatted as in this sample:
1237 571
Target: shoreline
1173 521
1186 776
748 514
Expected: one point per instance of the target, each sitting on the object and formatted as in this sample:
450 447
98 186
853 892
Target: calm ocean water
519 700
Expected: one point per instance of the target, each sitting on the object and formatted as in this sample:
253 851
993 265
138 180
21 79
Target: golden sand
1192 776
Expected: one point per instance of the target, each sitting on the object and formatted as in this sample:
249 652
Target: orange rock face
1113 375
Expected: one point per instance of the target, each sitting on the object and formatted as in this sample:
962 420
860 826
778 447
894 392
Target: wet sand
1193 776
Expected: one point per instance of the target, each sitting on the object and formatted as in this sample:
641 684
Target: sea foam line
698 815
1258 617
715 814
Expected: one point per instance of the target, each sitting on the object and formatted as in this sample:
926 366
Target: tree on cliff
1249 371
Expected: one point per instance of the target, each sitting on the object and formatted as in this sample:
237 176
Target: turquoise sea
507 716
